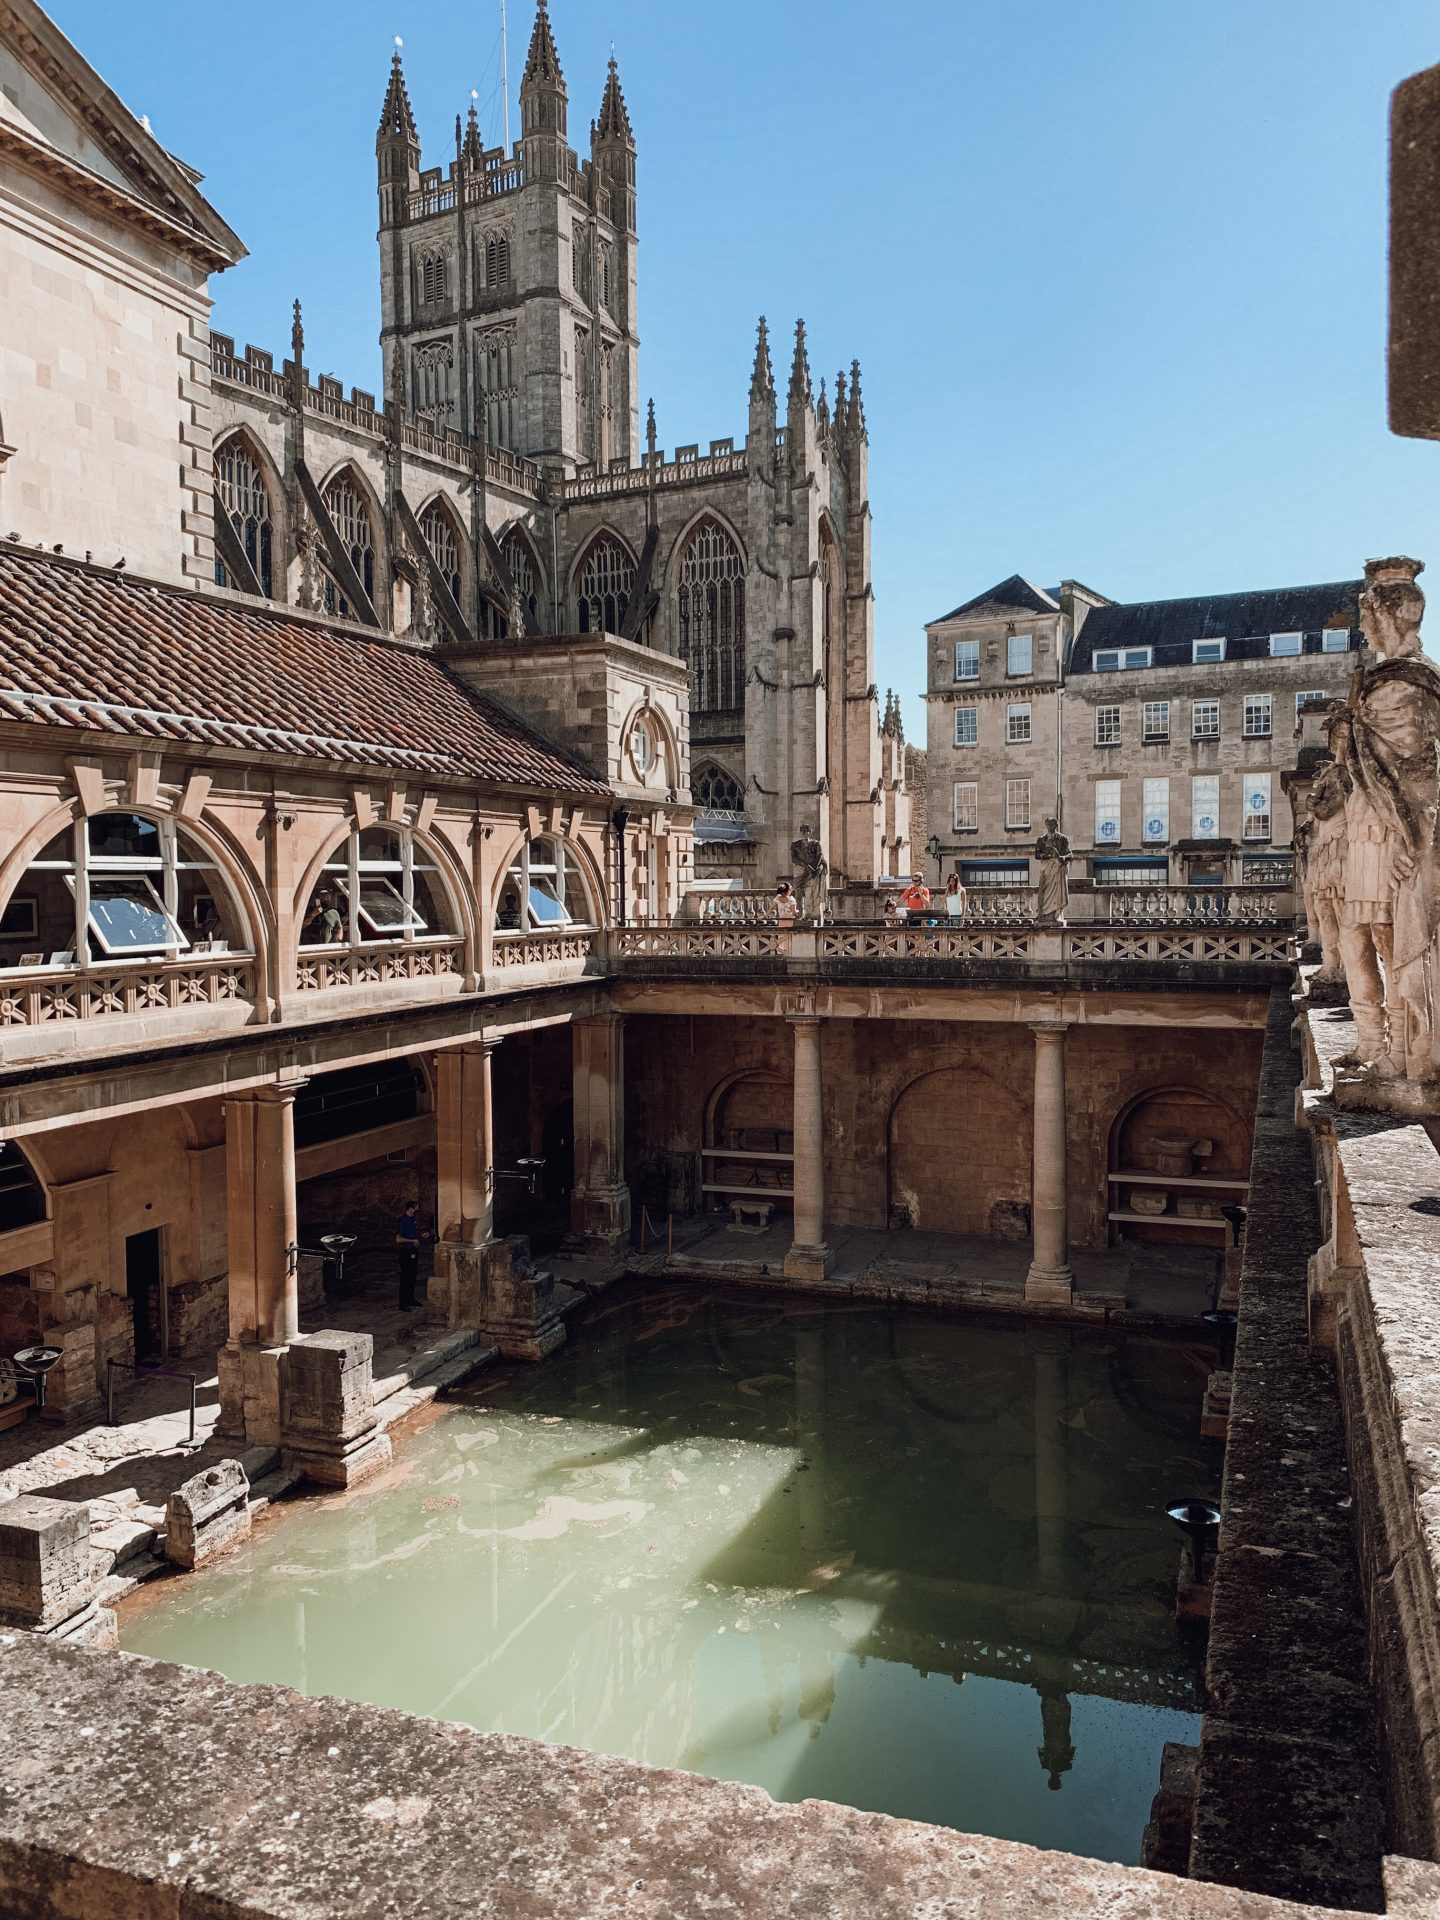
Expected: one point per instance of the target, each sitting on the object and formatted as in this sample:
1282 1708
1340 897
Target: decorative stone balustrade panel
30 999
1185 944
542 950
674 473
719 943
369 967
1189 906
924 943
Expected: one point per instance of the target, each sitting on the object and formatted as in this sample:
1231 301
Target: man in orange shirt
917 899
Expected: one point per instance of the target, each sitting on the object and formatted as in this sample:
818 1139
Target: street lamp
1199 1521
35 1363
934 851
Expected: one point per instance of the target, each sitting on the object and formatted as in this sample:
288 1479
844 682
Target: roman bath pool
913 1564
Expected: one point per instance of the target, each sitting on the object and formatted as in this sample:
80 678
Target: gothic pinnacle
474 145
297 337
396 119
822 409
857 405
614 123
842 418
800 389
762 380
542 62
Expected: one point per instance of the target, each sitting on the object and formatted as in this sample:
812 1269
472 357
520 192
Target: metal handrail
189 1445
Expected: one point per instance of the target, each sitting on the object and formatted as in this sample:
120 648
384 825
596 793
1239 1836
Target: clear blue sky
1115 269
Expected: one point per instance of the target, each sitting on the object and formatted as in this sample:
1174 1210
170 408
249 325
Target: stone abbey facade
508 488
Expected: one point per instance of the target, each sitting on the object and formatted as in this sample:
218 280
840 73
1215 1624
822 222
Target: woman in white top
955 898
786 904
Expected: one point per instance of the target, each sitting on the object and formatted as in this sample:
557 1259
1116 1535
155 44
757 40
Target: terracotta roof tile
97 650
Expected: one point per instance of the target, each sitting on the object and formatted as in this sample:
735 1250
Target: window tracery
607 580
496 383
439 536
494 261
434 279
711 608
715 790
432 386
244 496
352 522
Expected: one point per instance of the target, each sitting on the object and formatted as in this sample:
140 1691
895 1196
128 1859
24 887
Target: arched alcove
958 1149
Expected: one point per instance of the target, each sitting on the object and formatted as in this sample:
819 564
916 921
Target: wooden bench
750 1216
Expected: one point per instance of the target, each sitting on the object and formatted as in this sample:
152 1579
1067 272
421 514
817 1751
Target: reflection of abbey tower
506 490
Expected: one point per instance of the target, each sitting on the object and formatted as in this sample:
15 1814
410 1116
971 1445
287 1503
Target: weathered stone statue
1052 850
1387 744
1320 841
811 868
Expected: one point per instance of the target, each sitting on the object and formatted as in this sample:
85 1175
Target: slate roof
87 648
1016 594
1244 620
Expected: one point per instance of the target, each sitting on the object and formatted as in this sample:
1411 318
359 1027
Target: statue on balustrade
1320 843
1387 745
1052 850
811 869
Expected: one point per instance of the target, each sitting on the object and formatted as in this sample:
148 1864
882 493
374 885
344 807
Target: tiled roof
1244 620
86 648
1015 595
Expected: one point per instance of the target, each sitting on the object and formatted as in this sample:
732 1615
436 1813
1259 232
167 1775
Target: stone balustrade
319 969
35 996
521 951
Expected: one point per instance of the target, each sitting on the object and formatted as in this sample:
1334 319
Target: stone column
464 1144
600 1203
809 1258
263 1270
1049 1279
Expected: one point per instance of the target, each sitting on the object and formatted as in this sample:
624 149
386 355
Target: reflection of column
1049 1278
261 1215
600 1203
809 1480
1056 1752
809 1258
464 1144
1048 1355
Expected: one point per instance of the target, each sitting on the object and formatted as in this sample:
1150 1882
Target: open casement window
379 885
543 891
120 886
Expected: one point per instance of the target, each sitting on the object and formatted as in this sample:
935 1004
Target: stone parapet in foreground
139 1788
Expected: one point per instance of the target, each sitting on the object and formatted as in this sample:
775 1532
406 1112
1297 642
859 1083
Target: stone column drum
330 1431
264 1287
465 1193
809 1258
600 1203
1050 1279
47 1572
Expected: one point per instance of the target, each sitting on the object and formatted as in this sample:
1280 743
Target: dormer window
1285 646
1335 640
1122 659
1206 652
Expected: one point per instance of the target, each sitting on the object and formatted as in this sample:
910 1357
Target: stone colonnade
1050 1280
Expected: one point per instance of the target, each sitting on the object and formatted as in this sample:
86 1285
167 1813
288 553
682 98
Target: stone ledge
137 1787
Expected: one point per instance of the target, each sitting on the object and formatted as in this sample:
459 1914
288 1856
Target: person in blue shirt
407 1248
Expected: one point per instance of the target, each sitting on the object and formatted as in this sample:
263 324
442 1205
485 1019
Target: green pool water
913 1564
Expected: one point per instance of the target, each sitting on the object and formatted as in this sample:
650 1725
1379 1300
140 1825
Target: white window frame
1109 798
1017 723
1335 640
1281 647
965 798
1258 822
1205 804
968 667
972 716
1207 653
1155 811
1017 800
141 884
1259 716
351 879
1109 725
1302 700
1122 659
1155 720
523 872
1012 641
1197 732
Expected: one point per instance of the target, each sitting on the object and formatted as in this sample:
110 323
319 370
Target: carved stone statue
1387 742
1052 850
1320 842
811 868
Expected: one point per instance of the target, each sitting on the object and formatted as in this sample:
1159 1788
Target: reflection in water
911 1564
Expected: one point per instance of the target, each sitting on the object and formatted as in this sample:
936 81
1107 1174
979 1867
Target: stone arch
715 789
748 1100
956 1163
592 873
439 502
1160 1131
688 531
663 726
459 895
601 581
273 482
24 1186
529 577
709 572
377 584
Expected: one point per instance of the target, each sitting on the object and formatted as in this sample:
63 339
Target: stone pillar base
47 1578
808 1263
1050 1286
207 1514
1215 1409
600 1216
496 1288
250 1394
331 1432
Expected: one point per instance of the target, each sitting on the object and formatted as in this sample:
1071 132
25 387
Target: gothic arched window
716 791
352 522
497 261
433 279
712 619
439 537
244 496
525 578
607 580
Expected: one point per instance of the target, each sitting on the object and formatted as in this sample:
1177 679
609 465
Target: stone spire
474 149
542 65
842 405
822 410
396 120
800 389
762 380
614 121
857 405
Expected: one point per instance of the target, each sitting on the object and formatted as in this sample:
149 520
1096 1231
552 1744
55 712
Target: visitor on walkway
917 900
787 904
407 1251
956 899
892 913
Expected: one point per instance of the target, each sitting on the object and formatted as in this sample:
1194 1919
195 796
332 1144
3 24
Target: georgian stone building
1157 732
507 488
